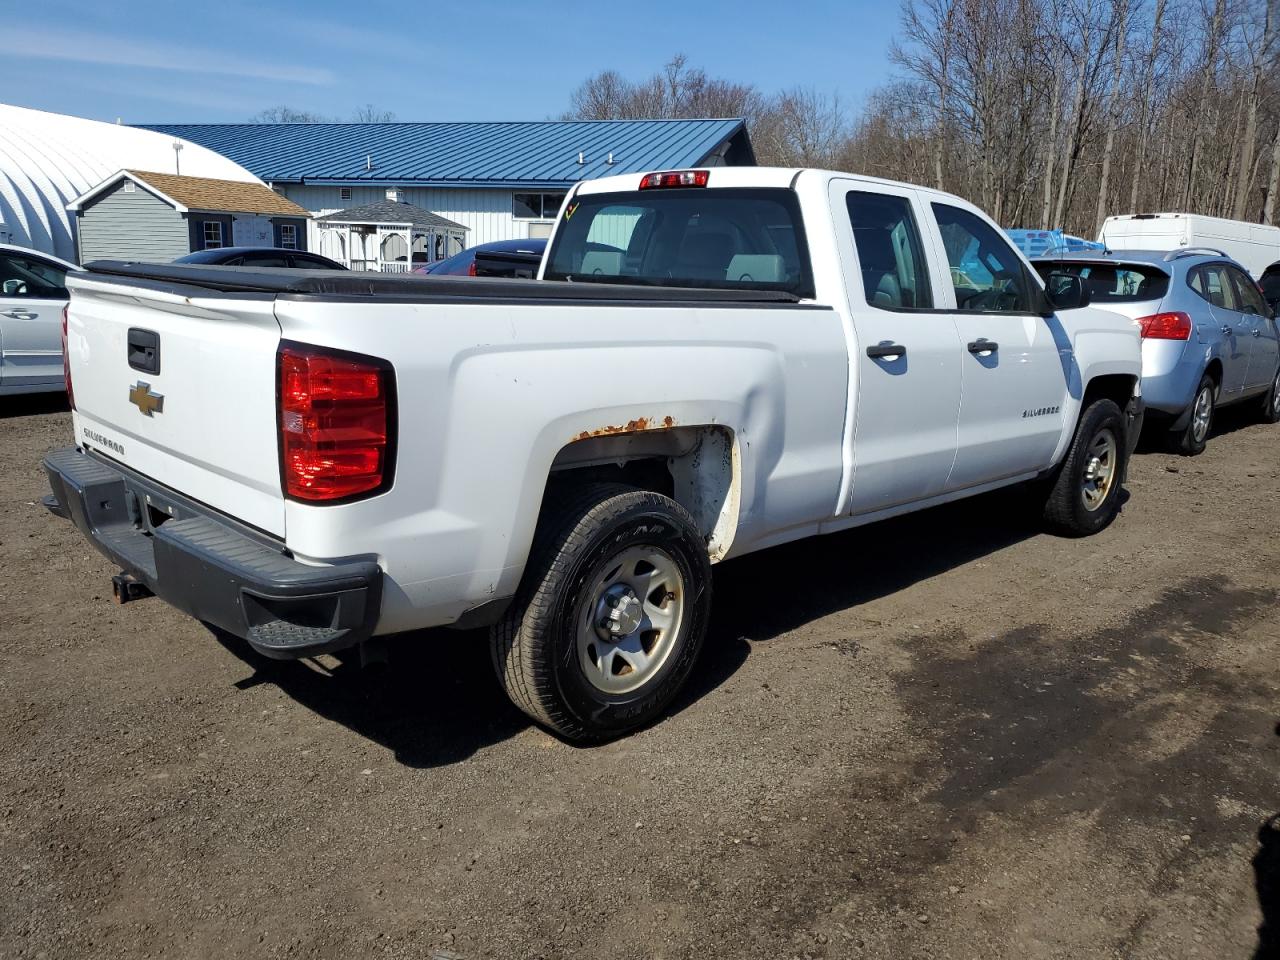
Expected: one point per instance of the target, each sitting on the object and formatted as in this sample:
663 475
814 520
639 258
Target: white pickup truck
710 363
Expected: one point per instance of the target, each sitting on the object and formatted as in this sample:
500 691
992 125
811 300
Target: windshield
1112 282
695 237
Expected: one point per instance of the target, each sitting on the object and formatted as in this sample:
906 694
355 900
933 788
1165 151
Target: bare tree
1112 113
1273 181
1144 111
285 114
371 114
1263 54
809 129
1035 109
605 96
675 91
1213 43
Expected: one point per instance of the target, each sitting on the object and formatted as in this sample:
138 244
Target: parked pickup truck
711 363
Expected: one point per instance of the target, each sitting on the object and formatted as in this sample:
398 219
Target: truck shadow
1266 879
33 405
1266 882
764 595
435 701
432 702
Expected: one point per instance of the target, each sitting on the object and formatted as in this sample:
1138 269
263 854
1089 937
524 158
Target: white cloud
79 47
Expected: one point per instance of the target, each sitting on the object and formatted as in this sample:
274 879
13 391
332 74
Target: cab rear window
1112 282
703 238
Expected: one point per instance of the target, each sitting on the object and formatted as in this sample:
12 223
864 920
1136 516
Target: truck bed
414 288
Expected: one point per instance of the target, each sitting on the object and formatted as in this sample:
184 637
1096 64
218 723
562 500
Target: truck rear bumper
212 568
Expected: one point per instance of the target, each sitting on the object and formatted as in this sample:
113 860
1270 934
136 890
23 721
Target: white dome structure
49 159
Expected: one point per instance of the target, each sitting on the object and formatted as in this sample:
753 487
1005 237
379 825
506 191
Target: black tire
1194 437
1271 402
1076 504
538 647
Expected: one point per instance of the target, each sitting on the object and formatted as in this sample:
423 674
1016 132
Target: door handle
1226 329
982 345
1257 332
886 351
20 315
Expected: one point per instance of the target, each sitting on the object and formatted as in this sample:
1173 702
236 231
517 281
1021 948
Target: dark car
1270 284
261 257
503 258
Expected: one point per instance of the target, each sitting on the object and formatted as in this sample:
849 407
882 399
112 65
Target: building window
288 236
345 193
536 206
127 187
212 234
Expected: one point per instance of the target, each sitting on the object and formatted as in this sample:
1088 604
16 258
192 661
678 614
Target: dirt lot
947 736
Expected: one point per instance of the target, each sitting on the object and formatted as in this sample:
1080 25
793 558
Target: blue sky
224 60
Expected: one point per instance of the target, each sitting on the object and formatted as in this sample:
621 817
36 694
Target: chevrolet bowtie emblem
149 403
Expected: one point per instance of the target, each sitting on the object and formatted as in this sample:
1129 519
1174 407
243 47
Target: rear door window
1213 284
890 255
693 237
988 276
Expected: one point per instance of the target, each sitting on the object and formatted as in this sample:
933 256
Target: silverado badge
149 403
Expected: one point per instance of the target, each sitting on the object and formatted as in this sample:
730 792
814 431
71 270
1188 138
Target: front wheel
611 615
1085 495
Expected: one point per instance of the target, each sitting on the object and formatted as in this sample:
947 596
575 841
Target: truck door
1264 354
31 300
905 367
1015 361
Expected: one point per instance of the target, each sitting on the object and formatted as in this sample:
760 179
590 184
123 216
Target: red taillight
66 361
1166 326
336 426
471 269
674 179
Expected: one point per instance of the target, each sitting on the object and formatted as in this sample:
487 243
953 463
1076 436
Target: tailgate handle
144 350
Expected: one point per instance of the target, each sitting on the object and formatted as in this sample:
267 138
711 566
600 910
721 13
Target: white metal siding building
487 214
501 181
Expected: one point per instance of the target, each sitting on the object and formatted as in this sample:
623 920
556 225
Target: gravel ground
944 736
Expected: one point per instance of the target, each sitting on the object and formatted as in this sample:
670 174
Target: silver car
1209 338
32 295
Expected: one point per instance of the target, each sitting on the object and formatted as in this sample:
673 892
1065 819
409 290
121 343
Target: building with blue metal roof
502 181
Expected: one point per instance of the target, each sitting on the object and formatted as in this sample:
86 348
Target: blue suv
1209 338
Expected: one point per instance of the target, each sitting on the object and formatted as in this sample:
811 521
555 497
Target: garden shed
389 236
139 215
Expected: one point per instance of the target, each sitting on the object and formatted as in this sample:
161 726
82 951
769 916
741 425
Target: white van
1252 245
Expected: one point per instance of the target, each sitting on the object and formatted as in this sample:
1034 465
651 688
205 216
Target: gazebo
389 236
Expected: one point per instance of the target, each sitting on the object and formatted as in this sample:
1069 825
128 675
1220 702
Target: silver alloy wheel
631 618
1202 415
1275 394
1100 469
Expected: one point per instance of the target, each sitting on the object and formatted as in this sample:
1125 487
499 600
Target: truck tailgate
200 414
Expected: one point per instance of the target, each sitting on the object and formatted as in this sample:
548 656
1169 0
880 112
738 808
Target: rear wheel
611 616
1085 495
1271 402
1192 440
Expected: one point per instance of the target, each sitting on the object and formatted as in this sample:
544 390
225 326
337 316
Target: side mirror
1066 291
